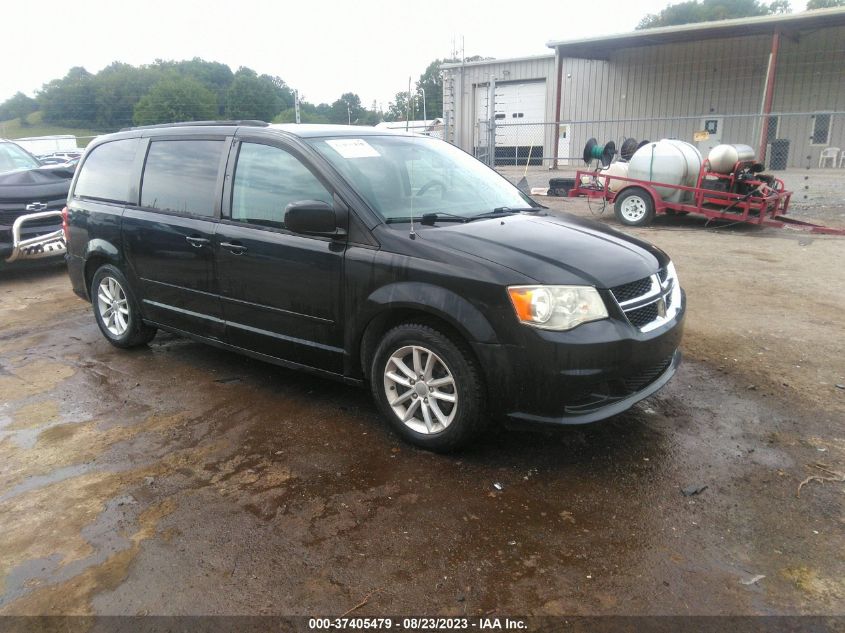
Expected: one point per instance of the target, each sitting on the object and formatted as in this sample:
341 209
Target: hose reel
594 151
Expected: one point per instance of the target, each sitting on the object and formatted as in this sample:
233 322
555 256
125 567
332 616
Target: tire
454 417
116 309
634 207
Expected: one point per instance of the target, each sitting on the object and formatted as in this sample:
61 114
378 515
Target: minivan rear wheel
116 310
428 387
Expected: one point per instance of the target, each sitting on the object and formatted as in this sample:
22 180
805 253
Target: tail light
65 225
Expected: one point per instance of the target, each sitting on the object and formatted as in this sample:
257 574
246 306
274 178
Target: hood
553 250
43 183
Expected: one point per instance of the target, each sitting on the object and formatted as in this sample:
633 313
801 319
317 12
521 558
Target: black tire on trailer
116 309
634 207
429 387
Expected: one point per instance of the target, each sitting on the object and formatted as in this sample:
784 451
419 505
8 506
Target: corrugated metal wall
476 77
667 90
811 78
709 79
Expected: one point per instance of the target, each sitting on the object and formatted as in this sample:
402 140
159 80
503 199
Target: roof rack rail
246 122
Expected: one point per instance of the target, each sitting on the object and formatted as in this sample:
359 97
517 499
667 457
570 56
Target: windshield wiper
514 209
429 218
442 216
499 212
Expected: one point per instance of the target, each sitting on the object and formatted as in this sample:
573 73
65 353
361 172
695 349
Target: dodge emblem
661 307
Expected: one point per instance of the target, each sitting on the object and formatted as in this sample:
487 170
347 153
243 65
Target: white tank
723 157
668 161
616 169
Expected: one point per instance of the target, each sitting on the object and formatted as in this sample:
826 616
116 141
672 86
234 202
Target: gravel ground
179 479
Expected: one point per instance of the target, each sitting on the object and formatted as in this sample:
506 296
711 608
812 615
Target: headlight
557 307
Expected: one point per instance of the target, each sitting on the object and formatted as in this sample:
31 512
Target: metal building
774 82
524 94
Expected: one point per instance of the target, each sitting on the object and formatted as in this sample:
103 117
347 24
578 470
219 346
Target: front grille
655 292
7 218
646 376
642 316
607 392
631 290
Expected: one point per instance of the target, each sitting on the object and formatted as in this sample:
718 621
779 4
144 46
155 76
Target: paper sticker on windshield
353 148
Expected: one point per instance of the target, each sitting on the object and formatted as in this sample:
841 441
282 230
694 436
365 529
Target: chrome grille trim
664 291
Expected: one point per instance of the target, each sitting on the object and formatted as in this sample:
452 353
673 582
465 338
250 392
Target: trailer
742 195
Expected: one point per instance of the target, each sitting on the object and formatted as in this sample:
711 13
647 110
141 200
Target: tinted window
267 179
403 176
181 176
106 172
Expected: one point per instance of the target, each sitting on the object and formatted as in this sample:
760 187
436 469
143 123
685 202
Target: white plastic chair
829 154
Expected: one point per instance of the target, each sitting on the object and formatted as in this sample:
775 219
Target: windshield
13 158
403 177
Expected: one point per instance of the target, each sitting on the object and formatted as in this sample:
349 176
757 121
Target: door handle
197 242
235 248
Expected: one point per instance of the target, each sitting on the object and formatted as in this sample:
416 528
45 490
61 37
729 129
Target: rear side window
267 179
106 172
181 176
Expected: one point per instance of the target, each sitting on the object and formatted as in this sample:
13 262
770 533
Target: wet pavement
180 479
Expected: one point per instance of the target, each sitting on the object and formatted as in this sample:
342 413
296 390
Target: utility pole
425 116
296 105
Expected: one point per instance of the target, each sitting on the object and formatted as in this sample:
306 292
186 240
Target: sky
323 48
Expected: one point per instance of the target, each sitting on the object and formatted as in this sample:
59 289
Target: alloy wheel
420 389
113 306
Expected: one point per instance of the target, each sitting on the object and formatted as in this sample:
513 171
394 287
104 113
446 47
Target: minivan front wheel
428 387
116 310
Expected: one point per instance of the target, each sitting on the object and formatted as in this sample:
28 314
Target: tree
18 106
824 4
252 97
347 109
284 92
176 99
431 84
71 100
215 76
400 108
693 11
118 87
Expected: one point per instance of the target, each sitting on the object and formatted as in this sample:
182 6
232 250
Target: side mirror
311 217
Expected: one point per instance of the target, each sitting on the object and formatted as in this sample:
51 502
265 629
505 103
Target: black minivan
374 257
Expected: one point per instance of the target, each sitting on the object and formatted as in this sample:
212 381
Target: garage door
520 110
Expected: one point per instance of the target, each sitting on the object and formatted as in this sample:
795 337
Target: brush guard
39 247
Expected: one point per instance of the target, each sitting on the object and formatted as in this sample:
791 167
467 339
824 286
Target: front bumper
593 372
30 242
602 405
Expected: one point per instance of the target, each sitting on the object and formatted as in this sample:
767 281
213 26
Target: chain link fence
814 140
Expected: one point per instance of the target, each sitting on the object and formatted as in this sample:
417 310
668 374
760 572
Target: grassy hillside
13 129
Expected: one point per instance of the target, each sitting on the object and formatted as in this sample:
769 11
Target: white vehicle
44 145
